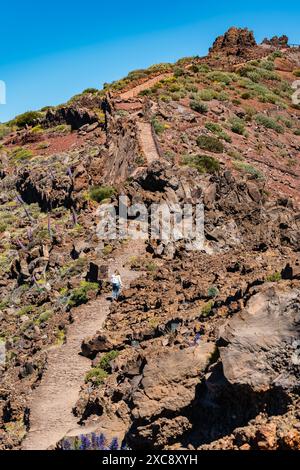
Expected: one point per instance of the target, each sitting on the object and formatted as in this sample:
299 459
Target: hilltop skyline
48 60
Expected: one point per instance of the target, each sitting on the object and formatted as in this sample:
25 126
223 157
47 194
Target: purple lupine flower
101 442
94 441
69 172
114 445
85 443
66 445
125 446
197 339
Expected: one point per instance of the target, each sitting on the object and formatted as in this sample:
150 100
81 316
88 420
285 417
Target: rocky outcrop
49 191
123 148
277 42
234 42
71 115
263 341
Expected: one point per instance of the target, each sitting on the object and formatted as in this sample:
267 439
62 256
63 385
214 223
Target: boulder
169 380
262 341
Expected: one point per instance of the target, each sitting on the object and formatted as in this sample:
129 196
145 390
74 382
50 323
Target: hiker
116 285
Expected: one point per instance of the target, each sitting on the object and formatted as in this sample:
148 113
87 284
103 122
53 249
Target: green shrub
99 193
263 93
158 126
203 163
237 126
107 250
178 72
217 129
275 277
207 94
151 267
257 74
297 132
61 129
44 316
269 123
276 54
213 291
203 68
96 375
20 154
206 142
79 295
30 118
220 77
207 308
267 64
90 90
198 106
60 337
251 170
4 131
25 310
246 95
296 72
106 360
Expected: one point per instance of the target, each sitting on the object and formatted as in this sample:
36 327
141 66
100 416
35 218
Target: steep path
144 86
147 143
52 402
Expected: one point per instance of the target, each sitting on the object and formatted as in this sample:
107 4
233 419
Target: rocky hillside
202 351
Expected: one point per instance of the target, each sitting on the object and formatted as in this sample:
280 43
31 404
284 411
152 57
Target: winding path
133 92
51 403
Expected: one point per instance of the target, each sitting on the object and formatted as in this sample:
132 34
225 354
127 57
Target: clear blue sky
52 50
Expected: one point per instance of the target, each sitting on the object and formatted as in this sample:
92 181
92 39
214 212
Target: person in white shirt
116 285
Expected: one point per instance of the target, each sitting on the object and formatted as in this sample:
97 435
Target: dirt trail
143 86
52 402
147 142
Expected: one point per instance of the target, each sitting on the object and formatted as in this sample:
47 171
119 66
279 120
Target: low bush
269 123
99 193
237 126
275 277
158 126
246 95
251 170
178 72
4 131
90 91
79 295
96 375
213 291
207 94
207 308
30 118
217 129
106 360
296 72
20 154
206 142
222 77
202 163
198 106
